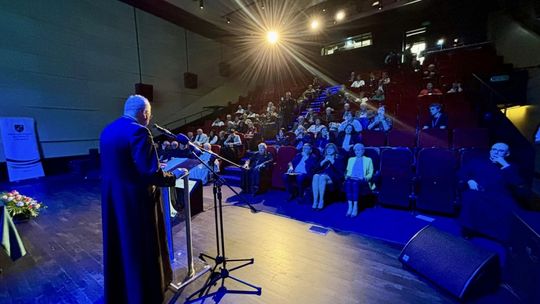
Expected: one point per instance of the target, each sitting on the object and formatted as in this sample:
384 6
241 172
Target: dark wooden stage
292 264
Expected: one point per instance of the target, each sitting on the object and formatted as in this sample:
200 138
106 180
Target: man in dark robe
258 164
488 200
136 262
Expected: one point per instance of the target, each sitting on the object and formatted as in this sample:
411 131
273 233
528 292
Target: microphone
184 140
164 131
180 138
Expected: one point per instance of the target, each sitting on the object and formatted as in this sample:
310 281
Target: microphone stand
223 272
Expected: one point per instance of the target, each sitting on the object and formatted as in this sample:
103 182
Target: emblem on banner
19 128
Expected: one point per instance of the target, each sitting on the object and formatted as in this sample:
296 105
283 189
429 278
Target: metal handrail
465 46
492 90
201 114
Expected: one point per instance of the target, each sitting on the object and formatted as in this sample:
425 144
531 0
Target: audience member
282 139
431 72
310 116
346 140
439 120
212 137
357 179
429 90
488 200
300 121
231 146
300 172
329 176
381 121
328 115
218 123
372 81
201 138
201 172
309 93
352 77
302 137
358 82
349 120
456 88
240 110
378 97
362 115
316 127
258 164
190 136
346 110
322 139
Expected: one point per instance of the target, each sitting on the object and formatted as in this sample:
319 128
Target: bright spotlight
272 37
314 24
340 15
440 42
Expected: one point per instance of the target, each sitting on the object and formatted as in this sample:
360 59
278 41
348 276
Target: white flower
20 204
4 197
9 199
38 206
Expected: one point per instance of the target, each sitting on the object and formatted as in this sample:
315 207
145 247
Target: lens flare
272 37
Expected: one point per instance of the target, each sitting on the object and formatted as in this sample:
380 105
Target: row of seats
426 182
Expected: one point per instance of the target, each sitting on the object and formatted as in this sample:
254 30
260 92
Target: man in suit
258 164
300 172
136 262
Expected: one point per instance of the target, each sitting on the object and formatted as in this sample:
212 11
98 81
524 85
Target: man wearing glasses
488 198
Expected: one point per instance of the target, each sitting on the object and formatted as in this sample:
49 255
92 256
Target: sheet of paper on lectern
180 184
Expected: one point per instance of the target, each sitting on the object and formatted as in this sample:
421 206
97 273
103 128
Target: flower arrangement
21 205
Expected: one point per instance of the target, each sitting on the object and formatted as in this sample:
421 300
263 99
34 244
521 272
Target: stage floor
295 265
292 264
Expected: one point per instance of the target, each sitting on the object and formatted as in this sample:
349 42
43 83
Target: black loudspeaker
224 69
146 90
190 80
452 263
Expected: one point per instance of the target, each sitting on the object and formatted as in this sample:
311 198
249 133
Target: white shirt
358 84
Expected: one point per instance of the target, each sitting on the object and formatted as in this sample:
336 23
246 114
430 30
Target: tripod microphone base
222 274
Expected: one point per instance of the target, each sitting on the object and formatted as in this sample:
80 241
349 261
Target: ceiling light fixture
201 4
340 15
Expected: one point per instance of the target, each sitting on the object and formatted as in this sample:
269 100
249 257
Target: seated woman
323 138
302 138
357 178
282 139
300 171
346 140
257 165
330 175
212 137
201 172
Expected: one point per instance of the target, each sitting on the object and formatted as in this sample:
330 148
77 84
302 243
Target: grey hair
134 104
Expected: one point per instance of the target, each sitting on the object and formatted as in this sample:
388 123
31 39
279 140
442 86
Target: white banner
20 148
